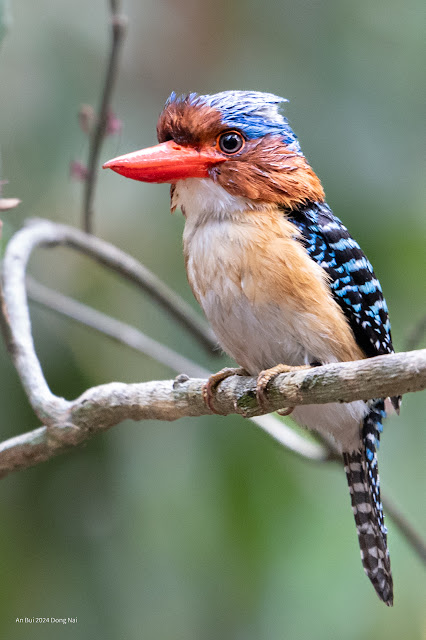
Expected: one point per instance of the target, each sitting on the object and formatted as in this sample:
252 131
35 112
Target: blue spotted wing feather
352 279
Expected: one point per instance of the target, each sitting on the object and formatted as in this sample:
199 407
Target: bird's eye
230 142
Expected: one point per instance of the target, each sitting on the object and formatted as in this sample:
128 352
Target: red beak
166 162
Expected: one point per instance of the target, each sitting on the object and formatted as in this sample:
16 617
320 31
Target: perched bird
277 274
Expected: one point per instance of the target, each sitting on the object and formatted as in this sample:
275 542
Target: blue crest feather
254 113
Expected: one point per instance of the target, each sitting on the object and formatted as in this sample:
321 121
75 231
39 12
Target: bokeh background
205 528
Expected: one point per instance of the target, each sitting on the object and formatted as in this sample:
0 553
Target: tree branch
102 407
5 18
49 234
408 531
118 30
416 335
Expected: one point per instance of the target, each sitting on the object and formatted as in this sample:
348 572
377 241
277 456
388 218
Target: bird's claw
209 388
265 377
285 411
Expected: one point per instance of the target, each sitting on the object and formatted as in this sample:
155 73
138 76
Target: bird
279 277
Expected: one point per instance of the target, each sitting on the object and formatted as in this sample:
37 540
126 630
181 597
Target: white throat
202 199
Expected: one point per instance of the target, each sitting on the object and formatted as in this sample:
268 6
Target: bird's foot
265 377
209 389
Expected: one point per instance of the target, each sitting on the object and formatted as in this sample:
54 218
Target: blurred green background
205 528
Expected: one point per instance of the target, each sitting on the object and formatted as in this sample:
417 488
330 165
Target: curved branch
49 234
16 326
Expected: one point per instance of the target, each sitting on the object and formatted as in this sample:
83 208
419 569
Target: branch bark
71 422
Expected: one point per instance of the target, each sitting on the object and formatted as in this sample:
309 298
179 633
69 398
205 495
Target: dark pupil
230 142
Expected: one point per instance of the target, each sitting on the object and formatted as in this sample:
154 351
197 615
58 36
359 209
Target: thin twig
118 30
416 335
411 535
5 18
114 329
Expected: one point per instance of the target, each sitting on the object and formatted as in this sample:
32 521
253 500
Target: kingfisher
279 277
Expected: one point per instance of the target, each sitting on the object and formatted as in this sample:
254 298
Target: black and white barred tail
364 486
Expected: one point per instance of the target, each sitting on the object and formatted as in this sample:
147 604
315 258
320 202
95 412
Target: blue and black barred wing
352 280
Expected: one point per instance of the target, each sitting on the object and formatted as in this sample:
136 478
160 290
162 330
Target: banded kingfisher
278 275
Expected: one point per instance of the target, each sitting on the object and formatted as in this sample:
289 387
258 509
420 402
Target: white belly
259 338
